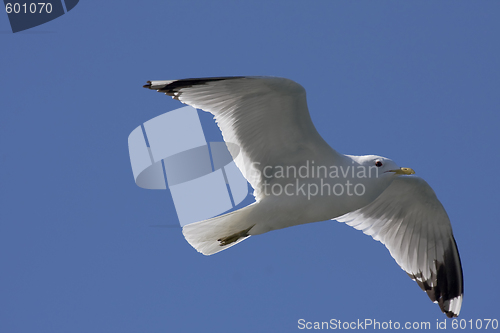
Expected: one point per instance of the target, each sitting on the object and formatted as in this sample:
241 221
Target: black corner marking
28 14
70 4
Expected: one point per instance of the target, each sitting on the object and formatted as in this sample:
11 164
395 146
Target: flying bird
298 178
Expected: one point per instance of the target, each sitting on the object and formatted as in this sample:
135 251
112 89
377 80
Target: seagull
298 178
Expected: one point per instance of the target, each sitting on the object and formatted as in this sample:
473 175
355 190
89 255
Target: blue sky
79 246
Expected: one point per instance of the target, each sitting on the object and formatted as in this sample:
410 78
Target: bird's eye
378 164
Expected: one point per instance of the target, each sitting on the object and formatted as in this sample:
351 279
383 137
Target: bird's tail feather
204 235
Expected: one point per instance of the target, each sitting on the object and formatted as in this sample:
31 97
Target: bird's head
380 167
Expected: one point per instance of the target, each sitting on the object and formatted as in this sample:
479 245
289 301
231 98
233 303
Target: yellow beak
403 171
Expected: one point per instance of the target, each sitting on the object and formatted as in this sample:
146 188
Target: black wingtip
184 83
445 287
172 88
450 314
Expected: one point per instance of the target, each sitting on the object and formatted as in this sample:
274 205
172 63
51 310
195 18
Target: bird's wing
266 117
411 222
